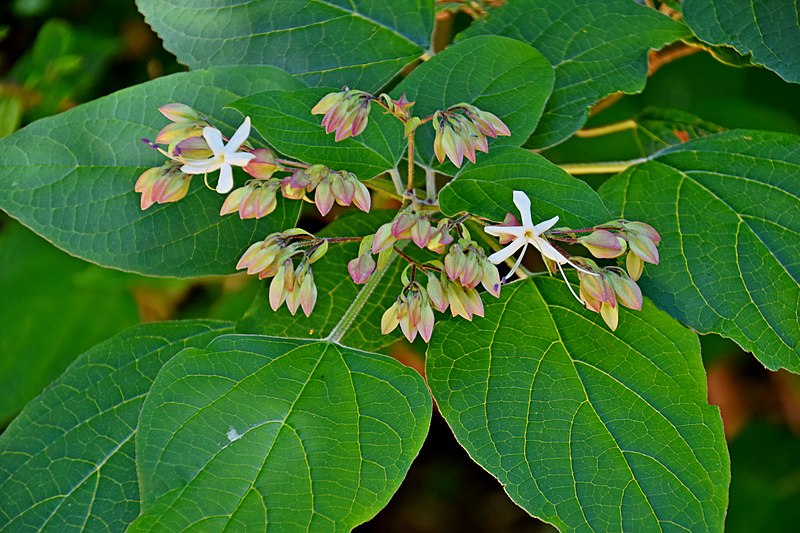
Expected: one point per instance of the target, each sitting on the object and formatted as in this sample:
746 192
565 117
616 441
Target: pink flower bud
627 291
454 262
342 188
490 278
390 318
161 185
308 293
263 165
323 197
177 132
327 103
643 229
177 112
610 314
361 197
420 232
602 244
277 288
643 247
436 293
401 227
234 200
290 191
361 268
317 253
426 322
383 239
192 149
634 266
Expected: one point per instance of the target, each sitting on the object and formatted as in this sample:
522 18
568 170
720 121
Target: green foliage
300 436
513 85
766 31
283 118
67 462
359 43
52 312
589 423
76 187
596 48
585 428
726 207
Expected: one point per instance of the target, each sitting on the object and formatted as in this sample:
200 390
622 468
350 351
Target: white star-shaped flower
527 234
225 156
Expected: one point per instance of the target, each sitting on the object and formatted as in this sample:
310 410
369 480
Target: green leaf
256 431
486 190
49 314
765 469
727 209
658 128
496 74
585 428
67 461
284 119
360 43
70 178
597 48
768 31
337 294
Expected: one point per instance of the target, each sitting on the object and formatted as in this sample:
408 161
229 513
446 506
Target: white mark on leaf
233 435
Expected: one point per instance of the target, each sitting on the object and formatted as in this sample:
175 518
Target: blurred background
55 54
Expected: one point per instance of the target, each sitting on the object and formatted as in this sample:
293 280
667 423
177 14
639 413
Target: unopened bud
177 112
602 244
634 266
161 185
361 268
627 291
383 239
263 165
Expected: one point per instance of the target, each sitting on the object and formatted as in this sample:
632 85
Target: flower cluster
462 129
600 289
273 257
346 112
342 187
412 312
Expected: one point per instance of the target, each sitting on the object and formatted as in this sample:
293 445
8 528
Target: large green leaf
70 178
497 74
284 119
767 30
337 295
259 431
486 190
597 48
49 315
586 428
728 210
360 43
67 461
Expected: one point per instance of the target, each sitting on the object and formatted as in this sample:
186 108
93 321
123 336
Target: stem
607 167
430 185
341 327
607 130
288 163
397 180
410 180
404 255
337 240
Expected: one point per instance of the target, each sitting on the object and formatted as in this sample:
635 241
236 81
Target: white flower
526 234
225 156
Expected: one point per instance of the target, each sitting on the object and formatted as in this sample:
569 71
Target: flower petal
500 256
541 227
225 183
523 203
214 139
239 159
499 231
239 137
200 167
